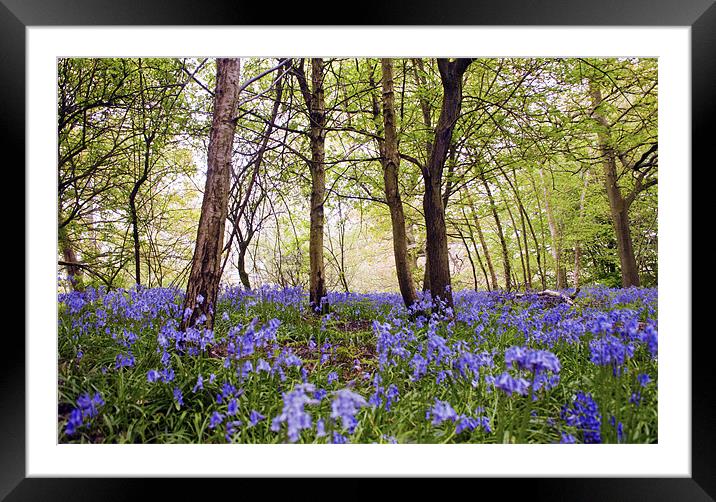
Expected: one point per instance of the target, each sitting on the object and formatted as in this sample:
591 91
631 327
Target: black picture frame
700 15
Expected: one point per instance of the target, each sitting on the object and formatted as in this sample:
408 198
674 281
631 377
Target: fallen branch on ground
548 293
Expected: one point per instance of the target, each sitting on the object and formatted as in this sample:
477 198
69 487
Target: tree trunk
203 287
519 244
540 253
317 286
243 275
501 235
469 255
556 248
418 69
523 219
578 244
133 211
481 238
617 203
471 235
74 273
390 158
426 272
451 74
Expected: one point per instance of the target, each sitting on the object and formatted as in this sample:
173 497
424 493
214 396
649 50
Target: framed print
676 36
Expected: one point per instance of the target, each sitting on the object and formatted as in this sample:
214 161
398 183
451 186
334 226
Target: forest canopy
522 174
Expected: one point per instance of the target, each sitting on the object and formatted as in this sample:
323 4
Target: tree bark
318 191
243 275
451 74
74 273
418 69
471 235
501 235
133 211
523 219
519 244
390 158
315 104
617 203
203 286
578 244
481 238
556 248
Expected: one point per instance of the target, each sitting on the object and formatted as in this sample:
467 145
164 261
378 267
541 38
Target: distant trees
345 173
118 120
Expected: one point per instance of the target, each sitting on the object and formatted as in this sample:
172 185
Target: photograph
363 250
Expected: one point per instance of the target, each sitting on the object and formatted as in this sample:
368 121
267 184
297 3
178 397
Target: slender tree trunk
239 206
471 235
556 248
527 249
617 203
133 211
578 244
418 69
243 275
501 235
481 238
541 249
412 252
426 273
390 158
469 256
523 219
203 287
74 273
317 286
519 243
451 74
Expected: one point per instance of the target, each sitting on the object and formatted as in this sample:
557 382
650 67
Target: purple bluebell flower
178 396
339 439
233 407
124 360
509 385
391 395
199 384
216 419
153 376
231 429
635 398
255 417
584 414
644 379
344 406
293 414
567 438
74 423
440 412
167 375
466 423
263 365
320 428
420 366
